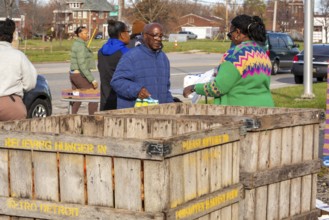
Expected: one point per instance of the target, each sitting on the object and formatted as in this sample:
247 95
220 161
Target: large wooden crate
120 167
175 161
278 156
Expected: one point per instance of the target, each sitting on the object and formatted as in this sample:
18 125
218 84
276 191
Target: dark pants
12 108
79 82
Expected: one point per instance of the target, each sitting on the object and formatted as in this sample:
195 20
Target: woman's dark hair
79 30
252 26
7 29
114 28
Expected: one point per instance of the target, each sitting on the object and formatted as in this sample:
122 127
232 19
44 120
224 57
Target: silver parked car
190 35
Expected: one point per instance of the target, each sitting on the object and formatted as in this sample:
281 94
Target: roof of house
94 5
208 18
15 10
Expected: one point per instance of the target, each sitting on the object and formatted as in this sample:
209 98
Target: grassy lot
290 97
56 51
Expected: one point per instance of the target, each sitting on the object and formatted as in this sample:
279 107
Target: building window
79 14
317 28
74 5
85 14
101 14
190 20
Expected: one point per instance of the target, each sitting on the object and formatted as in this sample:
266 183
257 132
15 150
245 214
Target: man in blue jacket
143 71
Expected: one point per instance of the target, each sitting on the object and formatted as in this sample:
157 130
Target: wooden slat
273 202
306 193
193 141
160 128
92 125
20 174
70 124
136 128
99 181
314 191
202 174
316 134
206 204
156 185
190 184
278 174
176 190
284 201
57 211
197 110
72 185
127 178
308 142
4 178
311 215
263 164
215 175
114 127
77 144
261 202
295 197
46 176
287 119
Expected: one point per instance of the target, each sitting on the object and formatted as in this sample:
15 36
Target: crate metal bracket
249 124
156 149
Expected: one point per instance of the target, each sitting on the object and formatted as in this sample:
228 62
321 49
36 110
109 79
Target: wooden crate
278 155
120 167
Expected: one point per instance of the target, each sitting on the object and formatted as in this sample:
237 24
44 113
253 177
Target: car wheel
319 79
299 79
275 67
39 108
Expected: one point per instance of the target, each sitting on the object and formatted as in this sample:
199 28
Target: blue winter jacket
142 67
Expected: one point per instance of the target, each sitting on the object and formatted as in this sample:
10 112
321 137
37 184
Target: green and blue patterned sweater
243 78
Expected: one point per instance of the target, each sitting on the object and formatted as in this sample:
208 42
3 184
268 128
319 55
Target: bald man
144 71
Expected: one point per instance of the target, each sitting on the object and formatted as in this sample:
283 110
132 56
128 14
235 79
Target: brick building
290 15
92 14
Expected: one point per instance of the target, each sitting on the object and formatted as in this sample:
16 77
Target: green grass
290 97
57 51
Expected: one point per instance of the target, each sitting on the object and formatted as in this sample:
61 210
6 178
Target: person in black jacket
108 58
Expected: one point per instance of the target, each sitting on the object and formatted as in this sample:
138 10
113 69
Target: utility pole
226 18
121 4
308 49
274 14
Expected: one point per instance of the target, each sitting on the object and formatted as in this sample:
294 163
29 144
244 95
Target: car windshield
281 40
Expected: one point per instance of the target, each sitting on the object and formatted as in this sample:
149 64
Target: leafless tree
9 4
38 16
255 7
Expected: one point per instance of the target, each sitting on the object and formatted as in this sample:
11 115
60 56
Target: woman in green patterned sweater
243 77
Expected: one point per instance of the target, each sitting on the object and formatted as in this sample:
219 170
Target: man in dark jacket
144 71
108 58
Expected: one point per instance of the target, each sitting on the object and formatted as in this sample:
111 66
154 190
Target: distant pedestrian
136 37
82 62
17 75
144 71
108 59
243 78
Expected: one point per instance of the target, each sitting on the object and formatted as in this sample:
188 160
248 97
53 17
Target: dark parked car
38 100
282 50
320 63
